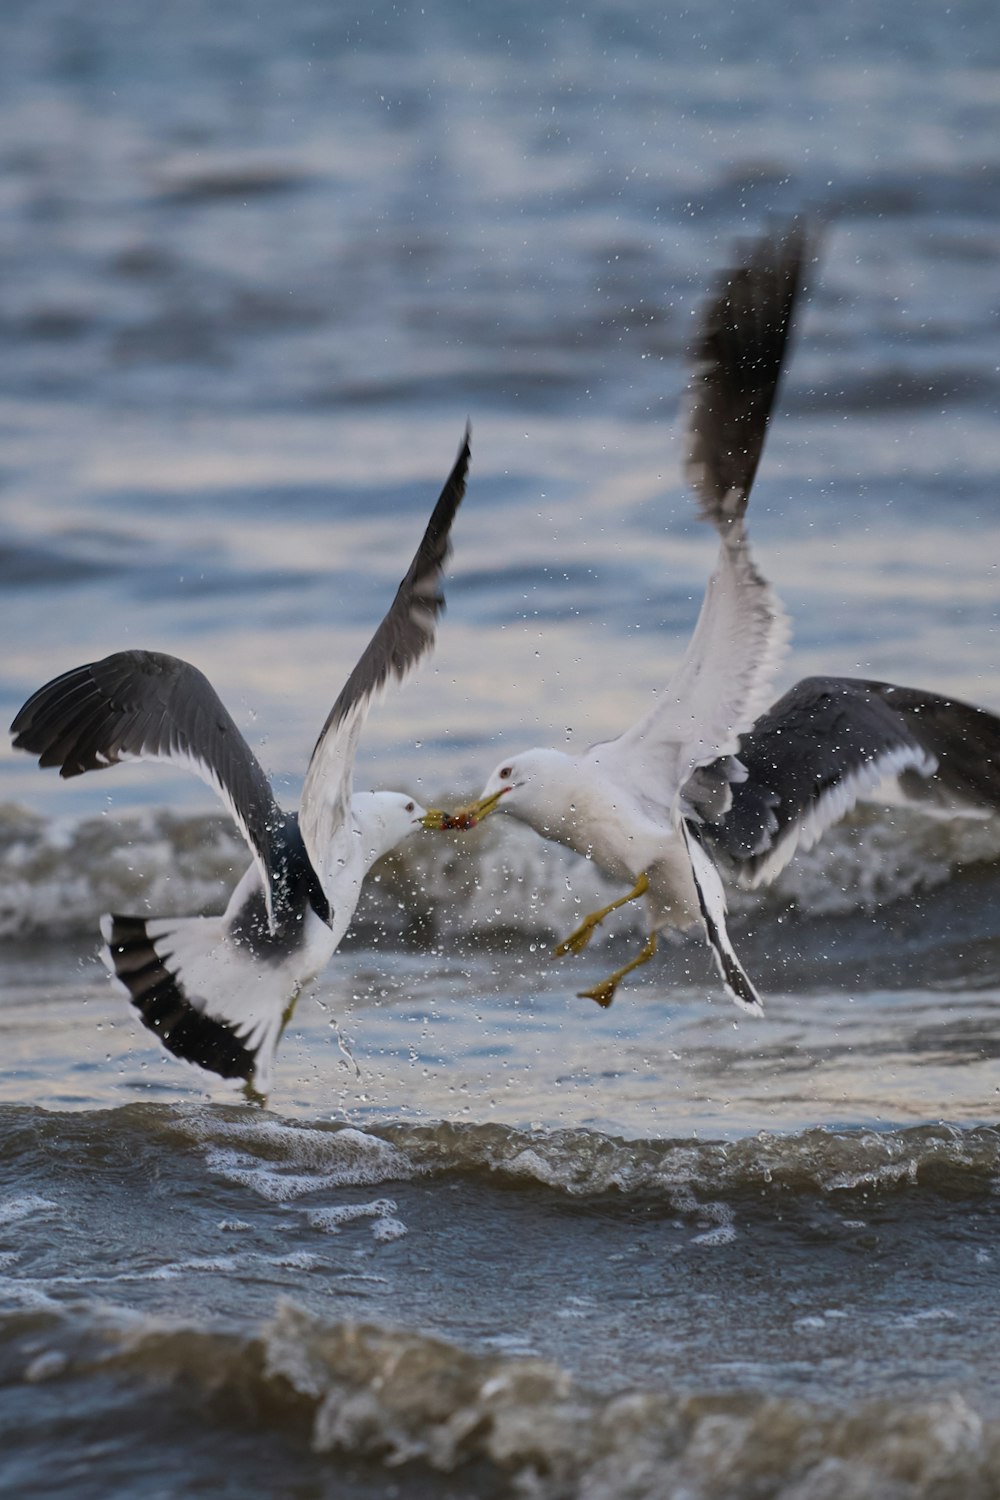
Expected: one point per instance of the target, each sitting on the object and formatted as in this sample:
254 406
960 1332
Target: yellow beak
436 819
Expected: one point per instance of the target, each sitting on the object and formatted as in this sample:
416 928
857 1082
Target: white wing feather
724 681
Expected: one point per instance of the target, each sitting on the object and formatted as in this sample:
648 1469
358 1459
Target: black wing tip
398 643
963 738
22 738
29 723
780 254
782 241
57 722
164 1008
737 361
59 746
454 485
52 754
776 256
435 544
826 732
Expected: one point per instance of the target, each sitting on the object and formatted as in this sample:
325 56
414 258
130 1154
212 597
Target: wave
420 1411
412 1406
283 1161
498 882
683 1173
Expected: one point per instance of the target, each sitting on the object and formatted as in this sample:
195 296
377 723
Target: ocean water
258 268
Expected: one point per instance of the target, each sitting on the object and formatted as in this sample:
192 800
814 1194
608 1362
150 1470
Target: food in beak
437 820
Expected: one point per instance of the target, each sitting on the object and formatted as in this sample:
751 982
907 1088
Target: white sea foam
29 1294
59 877
386 1226
282 1162
398 1395
46 1366
27 1206
200 1263
299 1260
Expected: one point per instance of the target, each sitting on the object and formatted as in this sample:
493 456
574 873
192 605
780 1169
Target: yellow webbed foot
603 993
578 939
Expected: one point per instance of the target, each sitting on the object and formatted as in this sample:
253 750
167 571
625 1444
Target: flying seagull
625 803
220 990
705 780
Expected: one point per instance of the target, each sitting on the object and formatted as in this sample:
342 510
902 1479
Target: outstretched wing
727 672
832 741
405 635
211 1001
737 365
143 705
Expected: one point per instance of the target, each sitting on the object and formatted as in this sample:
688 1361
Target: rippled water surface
257 271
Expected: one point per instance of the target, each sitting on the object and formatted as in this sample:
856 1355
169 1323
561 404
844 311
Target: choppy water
257 270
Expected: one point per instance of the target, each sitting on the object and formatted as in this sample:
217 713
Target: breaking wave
408 1405
57 877
281 1161
418 1413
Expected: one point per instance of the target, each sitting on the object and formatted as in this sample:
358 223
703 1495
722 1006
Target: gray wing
737 364
829 742
143 705
405 635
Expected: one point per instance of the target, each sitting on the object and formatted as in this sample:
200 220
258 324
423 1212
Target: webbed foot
578 939
604 992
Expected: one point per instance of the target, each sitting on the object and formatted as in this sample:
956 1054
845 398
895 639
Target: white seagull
219 990
705 779
630 804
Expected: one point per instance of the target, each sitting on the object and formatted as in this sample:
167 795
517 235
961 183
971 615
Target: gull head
384 819
533 786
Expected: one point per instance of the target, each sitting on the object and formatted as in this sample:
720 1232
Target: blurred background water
257 268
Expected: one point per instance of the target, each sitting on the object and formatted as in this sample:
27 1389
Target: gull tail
169 966
712 901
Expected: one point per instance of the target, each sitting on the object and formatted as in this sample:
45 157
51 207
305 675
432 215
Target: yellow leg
604 992
578 940
287 1013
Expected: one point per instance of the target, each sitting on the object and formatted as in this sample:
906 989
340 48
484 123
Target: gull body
581 802
711 779
625 803
219 990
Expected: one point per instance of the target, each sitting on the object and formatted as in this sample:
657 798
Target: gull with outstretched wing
219 990
622 803
710 779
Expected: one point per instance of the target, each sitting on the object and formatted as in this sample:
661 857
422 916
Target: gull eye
410 807
506 773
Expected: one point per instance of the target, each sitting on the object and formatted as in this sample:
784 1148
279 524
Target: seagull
220 990
705 782
626 804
